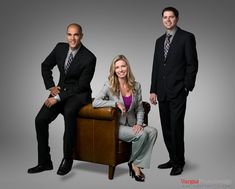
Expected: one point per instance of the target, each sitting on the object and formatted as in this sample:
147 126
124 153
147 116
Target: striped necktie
70 59
167 45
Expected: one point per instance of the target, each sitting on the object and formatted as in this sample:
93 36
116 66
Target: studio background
31 29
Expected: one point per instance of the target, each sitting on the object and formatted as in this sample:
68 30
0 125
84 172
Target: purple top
127 101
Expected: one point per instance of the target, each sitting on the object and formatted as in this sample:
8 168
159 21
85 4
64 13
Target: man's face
74 37
169 20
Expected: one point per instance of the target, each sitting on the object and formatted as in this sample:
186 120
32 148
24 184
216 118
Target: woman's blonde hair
113 78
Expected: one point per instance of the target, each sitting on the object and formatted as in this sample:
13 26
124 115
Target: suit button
164 77
164 64
65 89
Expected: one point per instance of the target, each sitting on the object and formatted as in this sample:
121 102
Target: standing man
76 65
175 66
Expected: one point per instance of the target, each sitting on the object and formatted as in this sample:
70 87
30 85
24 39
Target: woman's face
121 69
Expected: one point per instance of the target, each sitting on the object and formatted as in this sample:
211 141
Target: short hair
75 24
172 9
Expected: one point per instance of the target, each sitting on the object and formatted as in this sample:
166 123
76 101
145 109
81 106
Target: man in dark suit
174 70
76 65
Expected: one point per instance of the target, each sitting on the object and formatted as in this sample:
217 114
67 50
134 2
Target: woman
122 91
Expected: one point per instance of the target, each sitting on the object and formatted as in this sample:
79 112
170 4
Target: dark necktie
167 45
70 59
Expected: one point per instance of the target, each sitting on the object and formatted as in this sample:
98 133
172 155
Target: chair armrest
107 113
97 113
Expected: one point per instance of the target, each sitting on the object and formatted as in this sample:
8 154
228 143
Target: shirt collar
172 32
74 51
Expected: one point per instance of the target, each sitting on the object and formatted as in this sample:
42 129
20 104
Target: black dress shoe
166 165
40 168
176 171
65 166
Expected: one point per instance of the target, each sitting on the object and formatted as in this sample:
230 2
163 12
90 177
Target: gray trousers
142 144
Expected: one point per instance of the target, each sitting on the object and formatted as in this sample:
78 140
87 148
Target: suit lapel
132 103
75 60
62 57
161 49
121 98
174 43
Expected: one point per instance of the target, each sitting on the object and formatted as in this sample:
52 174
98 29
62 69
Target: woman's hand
137 128
121 107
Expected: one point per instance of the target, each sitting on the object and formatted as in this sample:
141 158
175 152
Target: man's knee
43 119
39 120
68 112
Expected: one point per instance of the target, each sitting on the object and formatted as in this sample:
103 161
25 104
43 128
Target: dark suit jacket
78 78
172 76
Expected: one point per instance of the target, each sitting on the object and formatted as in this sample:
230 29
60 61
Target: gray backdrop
31 29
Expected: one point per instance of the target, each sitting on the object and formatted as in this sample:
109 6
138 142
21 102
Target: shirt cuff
57 97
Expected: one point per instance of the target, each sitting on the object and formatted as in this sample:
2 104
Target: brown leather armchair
97 137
